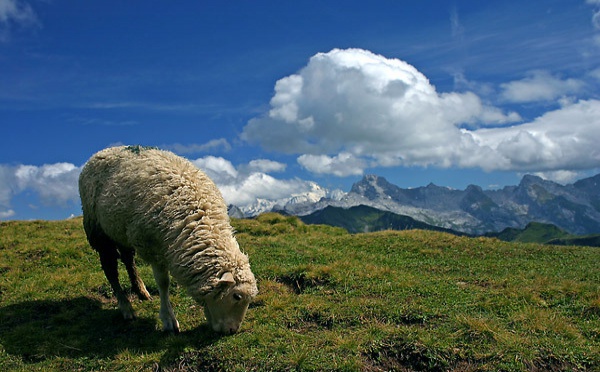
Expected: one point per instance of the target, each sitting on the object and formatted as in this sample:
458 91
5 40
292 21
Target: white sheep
155 203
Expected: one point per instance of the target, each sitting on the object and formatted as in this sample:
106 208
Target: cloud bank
348 110
244 184
54 184
57 184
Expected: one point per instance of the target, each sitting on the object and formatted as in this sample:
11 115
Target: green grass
534 232
410 300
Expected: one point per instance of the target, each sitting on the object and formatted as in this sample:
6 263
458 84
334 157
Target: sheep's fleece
155 203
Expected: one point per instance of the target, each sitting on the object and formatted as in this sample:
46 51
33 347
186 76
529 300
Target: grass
329 300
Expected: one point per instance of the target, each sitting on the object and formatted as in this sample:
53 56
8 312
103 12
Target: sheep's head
226 306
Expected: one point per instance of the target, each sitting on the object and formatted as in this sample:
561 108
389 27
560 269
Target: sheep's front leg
167 316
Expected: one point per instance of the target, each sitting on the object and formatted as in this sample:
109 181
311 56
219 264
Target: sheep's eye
237 296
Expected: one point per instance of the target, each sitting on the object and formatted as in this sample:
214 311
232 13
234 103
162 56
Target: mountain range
362 219
367 219
574 208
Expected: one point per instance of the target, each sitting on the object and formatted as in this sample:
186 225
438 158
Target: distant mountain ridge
574 208
363 219
534 232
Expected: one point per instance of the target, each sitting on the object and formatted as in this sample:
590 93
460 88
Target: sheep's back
135 194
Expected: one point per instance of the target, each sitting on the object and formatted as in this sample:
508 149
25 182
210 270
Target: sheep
154 203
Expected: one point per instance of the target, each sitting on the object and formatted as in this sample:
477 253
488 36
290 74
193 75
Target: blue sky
274 97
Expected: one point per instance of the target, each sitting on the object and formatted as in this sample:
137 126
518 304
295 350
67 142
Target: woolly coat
166 209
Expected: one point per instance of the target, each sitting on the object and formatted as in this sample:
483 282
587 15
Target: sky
271 98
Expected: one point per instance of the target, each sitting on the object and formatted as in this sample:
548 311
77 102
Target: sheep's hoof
128 315
171 326
127 311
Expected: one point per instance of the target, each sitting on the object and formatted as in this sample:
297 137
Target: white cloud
540 86
563 139
266 166
8 186
342 165
351 109
462 83
560 176
248 182
15 13
55 184
246 190
595 14
456 27
359 103
4 214
218 169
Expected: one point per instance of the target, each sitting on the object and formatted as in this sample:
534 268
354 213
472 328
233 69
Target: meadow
329 301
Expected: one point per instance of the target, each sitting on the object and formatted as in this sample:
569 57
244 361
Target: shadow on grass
81 328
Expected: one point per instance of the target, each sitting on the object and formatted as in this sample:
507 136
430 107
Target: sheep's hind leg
137 284
108 259
167 316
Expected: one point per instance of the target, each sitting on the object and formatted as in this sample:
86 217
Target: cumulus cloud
4 214
342 165
365 106
253 186
563 139
55 184
245 184
348 110
540 86
8 186
218 169
266 166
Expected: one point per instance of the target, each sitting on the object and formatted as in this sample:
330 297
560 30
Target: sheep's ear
227 278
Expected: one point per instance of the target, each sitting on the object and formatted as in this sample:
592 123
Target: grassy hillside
534 232
410 300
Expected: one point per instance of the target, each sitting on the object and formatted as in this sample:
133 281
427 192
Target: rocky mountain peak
591 184
474 189
372 187
530 179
